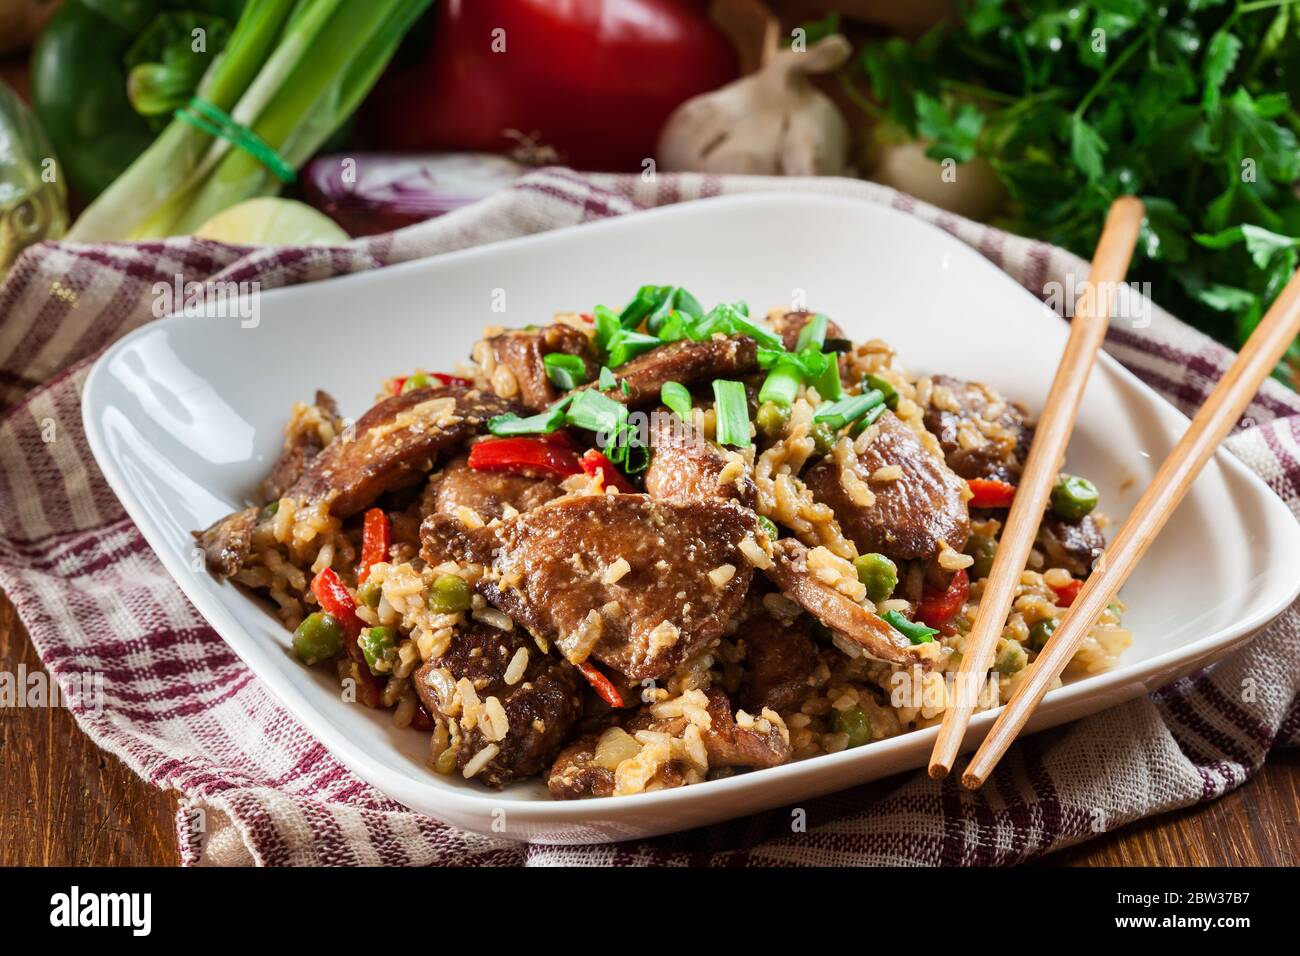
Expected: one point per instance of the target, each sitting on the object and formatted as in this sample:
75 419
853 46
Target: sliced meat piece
486 493
393 444
731 745
311 428
686 466
983 435
520 352
575 775
779 660
541 706
790 573
622 577
684 362
226 544
1073 545
788 325
911 514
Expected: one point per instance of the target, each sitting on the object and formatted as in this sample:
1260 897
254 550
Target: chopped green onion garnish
890 393
597 413
607 327
628 345
914 631
565 371
646 300
677 397
543 423
813 333
849 409
731 409
867 420
769 528
781 386
685 302
607 379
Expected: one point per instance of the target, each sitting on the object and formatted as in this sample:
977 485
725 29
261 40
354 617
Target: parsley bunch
1189 104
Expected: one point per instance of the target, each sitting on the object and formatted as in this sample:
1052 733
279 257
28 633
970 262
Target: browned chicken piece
637 583
1073 545
486 493
521 352
302 443
686 466
790 324
911 513
780 659
540 706
998 431
790 573
684 362
226 543
394 444
576 775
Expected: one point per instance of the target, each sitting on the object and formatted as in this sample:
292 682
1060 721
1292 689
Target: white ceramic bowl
185 416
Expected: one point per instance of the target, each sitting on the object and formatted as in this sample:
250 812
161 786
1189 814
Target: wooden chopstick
1087 331
1212 423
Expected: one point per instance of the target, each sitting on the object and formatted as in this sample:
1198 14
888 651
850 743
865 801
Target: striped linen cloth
256 787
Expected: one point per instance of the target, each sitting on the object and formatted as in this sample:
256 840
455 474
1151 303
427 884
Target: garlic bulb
774 122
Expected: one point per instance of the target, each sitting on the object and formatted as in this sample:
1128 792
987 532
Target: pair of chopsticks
1212 423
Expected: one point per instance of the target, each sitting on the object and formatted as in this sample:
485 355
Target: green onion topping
914 631
565 371
677 397
732 411
849 409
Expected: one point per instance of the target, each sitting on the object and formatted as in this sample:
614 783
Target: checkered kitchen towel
182 710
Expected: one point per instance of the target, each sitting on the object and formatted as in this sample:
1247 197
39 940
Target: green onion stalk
293 72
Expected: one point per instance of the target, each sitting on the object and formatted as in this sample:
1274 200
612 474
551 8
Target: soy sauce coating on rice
578 774
486 493
636 584
540 700
905 516
520 354
395 444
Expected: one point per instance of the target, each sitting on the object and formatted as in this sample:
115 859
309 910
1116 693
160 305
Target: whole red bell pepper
937 608
594 80
537 457
595 463
991 493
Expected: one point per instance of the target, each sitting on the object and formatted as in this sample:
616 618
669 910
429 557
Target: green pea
982 548
771 420
1011 657
370 593
1073 497
1040 632
823 437
379 645
878 573
418 380
318 638
449 595
890 393
446 761
854 723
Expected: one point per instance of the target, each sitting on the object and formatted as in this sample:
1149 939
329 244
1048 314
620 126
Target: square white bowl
185 417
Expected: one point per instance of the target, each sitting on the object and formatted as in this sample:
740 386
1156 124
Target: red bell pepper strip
1065 595
398 382
335 599
937 608
376 538
595 463
601 684
524 456
990 493
445 379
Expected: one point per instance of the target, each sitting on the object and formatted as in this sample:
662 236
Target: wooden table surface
65 802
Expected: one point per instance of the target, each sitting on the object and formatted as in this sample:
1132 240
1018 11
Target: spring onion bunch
292 72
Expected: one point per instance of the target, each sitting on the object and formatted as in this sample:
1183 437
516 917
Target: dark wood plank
63 801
